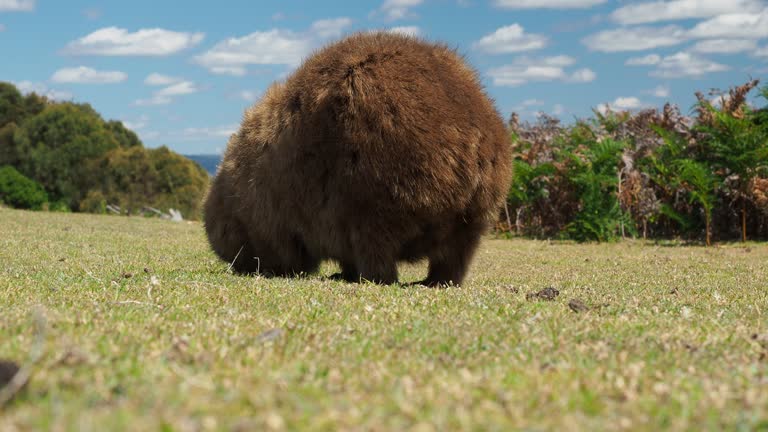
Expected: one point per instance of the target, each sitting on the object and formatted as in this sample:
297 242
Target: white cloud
398 9
532 102
726 33
510 39
273 47
655 11
248 95
649 60
524 70
548 4
406 30
561 61
683 64
733 26
156 79
228 70
330 28
114 41
42 89
86 75
528 106
279 47
137 125
635 39
582 76
558 109
165 95
182 88
154 100
621 104
660 92
626 103
761 52
2 27
17 5
725 46
210 132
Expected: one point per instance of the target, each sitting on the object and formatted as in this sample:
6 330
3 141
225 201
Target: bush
20 192
655 171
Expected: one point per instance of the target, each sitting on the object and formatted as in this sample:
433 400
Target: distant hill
209 162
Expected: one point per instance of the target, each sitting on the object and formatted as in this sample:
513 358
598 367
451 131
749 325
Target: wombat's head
227 235
250 249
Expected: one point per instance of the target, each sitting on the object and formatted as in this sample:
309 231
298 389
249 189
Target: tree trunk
509 220
743 220
708 223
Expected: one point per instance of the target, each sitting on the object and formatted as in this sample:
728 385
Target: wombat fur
379 148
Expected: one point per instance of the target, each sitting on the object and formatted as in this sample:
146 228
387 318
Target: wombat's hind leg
348 273
448 265
375 268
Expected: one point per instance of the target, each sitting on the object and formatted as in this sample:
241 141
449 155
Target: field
135 325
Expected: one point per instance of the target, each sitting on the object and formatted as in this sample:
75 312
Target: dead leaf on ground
577 306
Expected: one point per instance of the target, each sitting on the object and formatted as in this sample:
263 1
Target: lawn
137 326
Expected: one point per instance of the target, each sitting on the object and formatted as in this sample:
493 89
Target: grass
676 338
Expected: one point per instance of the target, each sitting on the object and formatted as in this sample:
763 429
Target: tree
11 104
53 147
125 137
8 153
182 182
127 178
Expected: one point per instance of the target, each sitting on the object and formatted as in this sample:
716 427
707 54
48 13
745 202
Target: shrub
18 191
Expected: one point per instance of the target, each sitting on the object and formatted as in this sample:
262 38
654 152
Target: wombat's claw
431 284
342 278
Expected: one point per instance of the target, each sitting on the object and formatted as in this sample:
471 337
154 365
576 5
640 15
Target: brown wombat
379 148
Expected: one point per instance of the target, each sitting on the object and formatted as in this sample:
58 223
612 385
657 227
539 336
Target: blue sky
181 73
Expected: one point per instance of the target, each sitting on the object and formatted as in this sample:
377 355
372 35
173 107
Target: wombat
379 148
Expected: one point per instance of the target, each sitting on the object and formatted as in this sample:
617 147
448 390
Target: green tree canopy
52 148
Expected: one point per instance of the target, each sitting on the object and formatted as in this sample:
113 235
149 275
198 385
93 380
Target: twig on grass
234 260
